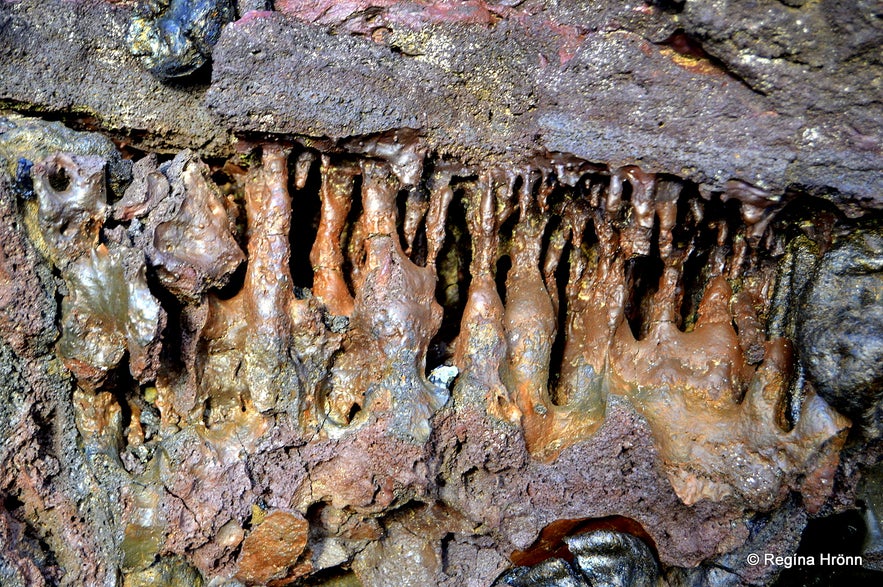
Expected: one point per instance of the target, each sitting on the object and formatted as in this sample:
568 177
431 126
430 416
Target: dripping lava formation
300 324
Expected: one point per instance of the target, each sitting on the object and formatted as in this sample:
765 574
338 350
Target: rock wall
425 293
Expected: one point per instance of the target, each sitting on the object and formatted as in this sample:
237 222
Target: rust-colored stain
270 553
550 542
686 52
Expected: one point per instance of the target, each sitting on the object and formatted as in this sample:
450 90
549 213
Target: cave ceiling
385 293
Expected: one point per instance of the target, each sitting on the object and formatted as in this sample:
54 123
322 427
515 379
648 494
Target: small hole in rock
60 180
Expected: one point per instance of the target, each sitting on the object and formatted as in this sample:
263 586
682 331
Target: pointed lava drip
440 196
481 347
327 256
637 236
268 287
504 351
673 377
529 318
396 310
356 352
302 167
416 207
701 377
577 324
246 363
573 378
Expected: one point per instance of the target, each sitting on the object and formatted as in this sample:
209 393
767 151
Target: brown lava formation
365 333
556 291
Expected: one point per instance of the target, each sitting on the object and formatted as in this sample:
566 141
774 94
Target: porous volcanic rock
427 292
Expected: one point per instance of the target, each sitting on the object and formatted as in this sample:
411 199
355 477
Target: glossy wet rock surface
174 38
456 294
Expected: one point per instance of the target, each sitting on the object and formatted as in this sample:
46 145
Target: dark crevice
352 258
401 207
504 265
556 357
123 387
59 180
11 503
687 45
354 411
172 352
306 207
693 287
670 6
839 534
683 44
334 576
234 283
642 277
452 287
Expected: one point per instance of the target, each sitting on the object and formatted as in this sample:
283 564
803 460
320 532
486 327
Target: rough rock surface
72 57
605 82
434 293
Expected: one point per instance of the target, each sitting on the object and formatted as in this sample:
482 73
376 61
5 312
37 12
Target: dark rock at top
174 38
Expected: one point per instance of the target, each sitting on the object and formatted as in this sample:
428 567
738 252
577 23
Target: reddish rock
271 550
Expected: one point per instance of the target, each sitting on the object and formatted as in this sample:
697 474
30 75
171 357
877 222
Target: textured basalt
594 79
433 293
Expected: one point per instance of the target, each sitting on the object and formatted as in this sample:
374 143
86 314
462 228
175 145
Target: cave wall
425 293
